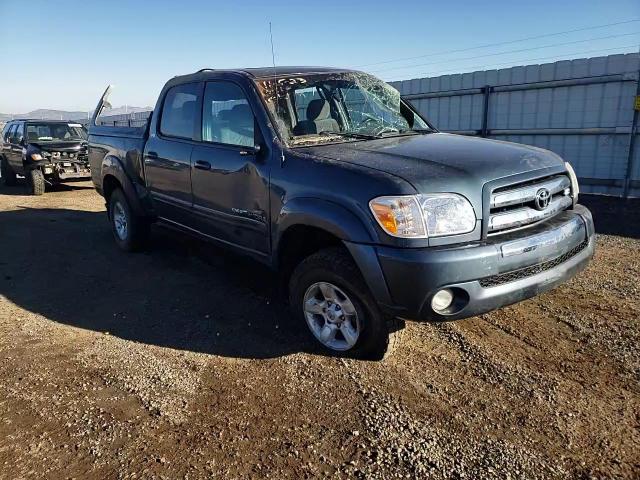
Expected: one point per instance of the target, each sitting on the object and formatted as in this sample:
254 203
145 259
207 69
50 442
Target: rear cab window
178 117
303 96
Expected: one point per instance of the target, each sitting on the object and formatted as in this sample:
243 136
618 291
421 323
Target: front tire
36 182
8 175
328 293
130 231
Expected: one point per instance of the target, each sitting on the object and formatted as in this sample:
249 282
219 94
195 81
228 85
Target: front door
167 154
230 176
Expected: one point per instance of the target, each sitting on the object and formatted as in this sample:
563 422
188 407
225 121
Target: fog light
442 300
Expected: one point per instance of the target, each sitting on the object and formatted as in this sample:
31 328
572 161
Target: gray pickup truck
370 215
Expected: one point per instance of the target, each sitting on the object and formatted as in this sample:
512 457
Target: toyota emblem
543 196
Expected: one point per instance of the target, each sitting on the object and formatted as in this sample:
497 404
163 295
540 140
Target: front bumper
64 171
486 275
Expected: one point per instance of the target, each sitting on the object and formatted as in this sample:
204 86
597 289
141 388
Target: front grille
517 205
73 156
512 276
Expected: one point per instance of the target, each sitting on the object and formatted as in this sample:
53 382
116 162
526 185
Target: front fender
326 215
358 236
112 165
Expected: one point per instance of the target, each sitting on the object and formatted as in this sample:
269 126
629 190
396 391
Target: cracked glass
338 106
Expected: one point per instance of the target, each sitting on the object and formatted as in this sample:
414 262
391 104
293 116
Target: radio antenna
275 85
273 57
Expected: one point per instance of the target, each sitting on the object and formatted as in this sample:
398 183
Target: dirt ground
181 363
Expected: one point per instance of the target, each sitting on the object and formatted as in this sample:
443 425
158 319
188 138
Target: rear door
230 177
167 155
15 148
6 141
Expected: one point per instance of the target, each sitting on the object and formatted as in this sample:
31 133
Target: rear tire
35 180
130 231
377 334
8 175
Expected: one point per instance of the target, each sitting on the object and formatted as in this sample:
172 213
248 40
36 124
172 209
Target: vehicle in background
328 176
46 152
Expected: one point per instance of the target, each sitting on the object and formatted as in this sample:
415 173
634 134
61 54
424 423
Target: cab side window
179 111
227 116
5 131
18 134
8 134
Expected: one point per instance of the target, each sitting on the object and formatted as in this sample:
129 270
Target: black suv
329 177
45 152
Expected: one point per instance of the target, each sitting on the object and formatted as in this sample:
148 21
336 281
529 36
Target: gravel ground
180 363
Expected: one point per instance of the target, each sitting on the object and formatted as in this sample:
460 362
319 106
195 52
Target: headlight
422 216
447 214
36 156
575 189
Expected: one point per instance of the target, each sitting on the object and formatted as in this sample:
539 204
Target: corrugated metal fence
134 119
581 109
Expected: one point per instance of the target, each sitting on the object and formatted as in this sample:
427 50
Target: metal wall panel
135 119
587 94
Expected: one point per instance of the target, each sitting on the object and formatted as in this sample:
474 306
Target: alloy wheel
331 316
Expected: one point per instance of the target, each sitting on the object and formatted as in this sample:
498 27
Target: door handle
202 165
152 155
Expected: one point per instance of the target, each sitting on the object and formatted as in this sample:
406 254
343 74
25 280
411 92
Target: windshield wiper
422 130
362 136
403 133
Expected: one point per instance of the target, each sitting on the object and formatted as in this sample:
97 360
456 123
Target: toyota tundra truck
369 215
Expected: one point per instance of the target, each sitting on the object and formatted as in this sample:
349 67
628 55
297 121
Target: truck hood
60 146
441 162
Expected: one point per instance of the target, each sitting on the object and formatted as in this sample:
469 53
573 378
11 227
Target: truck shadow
22 189
183 293
613 215
69 187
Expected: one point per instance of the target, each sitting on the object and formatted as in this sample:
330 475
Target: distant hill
45 114
49 114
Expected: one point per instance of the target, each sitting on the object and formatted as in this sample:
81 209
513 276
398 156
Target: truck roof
41 120
288 70
258 72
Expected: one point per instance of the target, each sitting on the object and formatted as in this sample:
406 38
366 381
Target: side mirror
21 141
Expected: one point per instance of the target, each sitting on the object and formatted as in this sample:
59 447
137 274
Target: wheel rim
120 221
331 316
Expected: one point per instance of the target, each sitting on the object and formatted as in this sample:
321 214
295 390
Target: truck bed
110 131
126 144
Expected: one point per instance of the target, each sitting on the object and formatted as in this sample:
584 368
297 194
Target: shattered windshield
342 106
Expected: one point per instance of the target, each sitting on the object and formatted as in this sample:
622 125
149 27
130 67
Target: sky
62 54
